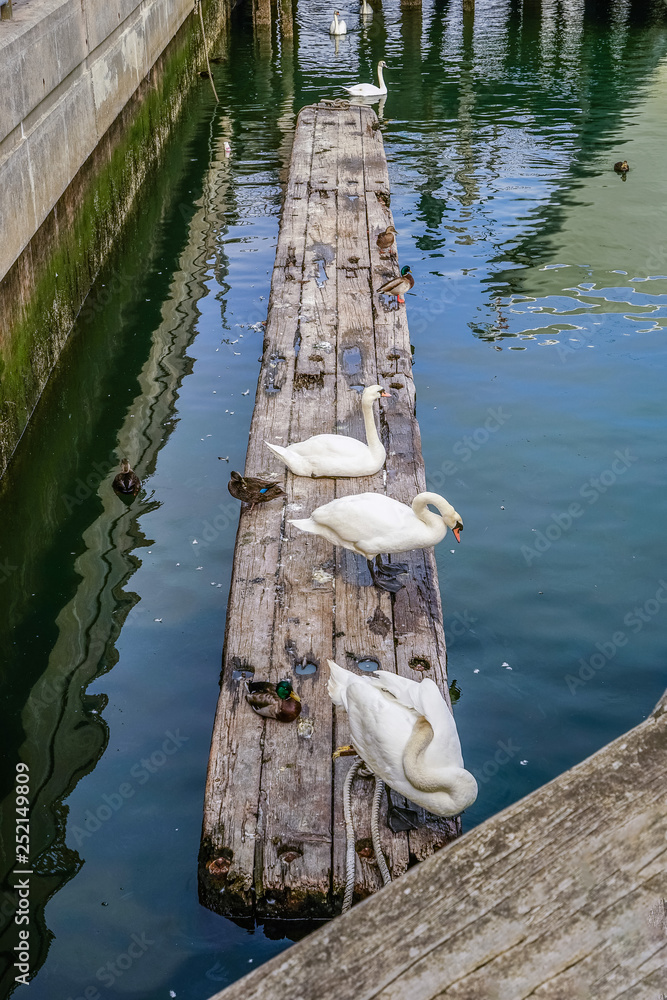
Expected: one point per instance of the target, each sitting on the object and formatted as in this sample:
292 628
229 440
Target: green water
538 323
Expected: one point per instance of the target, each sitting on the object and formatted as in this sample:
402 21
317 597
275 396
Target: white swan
371 523
404 731
336 454
365 8
337 27
367 89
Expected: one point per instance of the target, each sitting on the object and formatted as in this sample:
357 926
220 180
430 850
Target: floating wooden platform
273 840
561 896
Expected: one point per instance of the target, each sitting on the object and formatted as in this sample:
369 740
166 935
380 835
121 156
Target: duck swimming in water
126 482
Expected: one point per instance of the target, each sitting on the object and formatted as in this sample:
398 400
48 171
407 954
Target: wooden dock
562 896
273 839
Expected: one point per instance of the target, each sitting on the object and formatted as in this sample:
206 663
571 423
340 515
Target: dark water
538 323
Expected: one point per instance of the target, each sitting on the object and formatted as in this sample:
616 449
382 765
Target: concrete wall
67 69
90 90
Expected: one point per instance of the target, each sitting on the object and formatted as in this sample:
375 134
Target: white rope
350 843
375 831
350 846
208 65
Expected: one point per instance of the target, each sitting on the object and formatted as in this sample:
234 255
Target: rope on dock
208 65
350 843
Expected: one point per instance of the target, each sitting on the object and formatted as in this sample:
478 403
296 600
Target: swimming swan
337 27
371 523
336 454
404 731
365 8
367 89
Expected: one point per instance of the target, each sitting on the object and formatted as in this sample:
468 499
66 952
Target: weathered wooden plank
363 613
231 803
417 610
272 842
295 827
561 895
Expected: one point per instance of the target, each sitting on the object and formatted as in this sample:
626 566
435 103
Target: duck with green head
400 285
274 701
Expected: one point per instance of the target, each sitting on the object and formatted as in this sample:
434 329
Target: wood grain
560 896
273 838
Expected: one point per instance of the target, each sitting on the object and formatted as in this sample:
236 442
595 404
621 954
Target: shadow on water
64 585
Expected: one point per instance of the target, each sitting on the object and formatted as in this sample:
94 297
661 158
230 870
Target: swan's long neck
420 507
380 78
450 781
372 437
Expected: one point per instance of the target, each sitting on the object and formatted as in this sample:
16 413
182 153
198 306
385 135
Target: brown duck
386 240
400 285
127 481
621 167
253 491
274 701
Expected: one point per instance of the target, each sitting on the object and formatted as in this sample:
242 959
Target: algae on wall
44 290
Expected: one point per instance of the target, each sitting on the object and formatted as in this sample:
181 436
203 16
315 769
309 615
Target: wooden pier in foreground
562 896
273 839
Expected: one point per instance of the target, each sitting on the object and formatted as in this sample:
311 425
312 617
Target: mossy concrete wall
91 89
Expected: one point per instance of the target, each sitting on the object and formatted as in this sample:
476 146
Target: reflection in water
64 732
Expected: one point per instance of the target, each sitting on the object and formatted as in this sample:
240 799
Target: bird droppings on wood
295 601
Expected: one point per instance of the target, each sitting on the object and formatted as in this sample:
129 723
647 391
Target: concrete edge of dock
91 91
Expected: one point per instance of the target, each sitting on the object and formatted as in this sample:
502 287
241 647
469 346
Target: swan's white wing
380 728
425 699
330 444
363 90
371 518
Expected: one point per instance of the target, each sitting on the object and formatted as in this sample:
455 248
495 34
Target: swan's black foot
400 818
390 569
388 583
383 580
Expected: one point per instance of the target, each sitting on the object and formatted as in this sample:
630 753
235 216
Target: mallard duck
126 481
273 701
386 240
253 491
621 167
367 89
405 733
337 454
337 27
371 523
399 286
